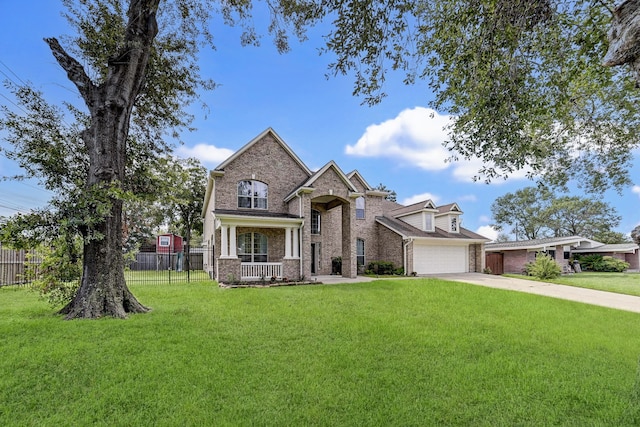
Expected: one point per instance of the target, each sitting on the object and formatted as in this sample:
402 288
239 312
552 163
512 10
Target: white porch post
223 241
287 243
296 243
232 243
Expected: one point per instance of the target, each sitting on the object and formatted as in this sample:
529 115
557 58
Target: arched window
315 221
360 208
252 247
252 194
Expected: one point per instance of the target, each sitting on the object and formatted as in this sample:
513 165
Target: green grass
622 283
392 352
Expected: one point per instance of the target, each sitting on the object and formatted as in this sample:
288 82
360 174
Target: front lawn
622 283
391 352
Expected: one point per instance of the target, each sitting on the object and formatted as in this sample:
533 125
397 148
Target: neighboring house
511 257
266 214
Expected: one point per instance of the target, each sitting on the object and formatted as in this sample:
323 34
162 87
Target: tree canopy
534 213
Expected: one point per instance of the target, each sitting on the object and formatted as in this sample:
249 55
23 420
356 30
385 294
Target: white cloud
484 218
419 198
207 154
636 189
415 136
467 198
487 231
465 170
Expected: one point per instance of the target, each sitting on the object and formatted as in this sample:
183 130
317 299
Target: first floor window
315 221
360 252
252 247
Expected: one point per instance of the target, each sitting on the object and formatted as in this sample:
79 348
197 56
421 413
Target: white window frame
251 256
454 224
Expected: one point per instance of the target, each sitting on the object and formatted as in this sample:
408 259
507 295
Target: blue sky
397 143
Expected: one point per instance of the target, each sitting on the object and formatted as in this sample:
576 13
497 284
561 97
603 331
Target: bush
605 264
55 272
544 267
381 267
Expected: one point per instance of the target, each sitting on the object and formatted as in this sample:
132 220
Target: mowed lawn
387 353
621 283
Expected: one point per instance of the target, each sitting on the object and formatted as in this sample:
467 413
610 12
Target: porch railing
261 270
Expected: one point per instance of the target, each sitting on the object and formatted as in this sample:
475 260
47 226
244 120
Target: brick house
511 257
266 214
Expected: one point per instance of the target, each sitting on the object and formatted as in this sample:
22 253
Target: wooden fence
13 265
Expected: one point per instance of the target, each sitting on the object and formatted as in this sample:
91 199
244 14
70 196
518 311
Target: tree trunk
103 290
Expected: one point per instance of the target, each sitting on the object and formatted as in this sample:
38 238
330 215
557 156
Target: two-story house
266 214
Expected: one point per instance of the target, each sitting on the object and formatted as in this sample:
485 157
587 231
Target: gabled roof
276 137
308 184
451 207
534 244
408 231
356 174
413 208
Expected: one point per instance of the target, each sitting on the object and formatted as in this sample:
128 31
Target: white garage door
432 259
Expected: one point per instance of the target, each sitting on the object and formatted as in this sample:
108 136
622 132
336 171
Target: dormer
420 215
448 218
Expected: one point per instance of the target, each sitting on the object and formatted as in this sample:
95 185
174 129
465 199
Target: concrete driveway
571 293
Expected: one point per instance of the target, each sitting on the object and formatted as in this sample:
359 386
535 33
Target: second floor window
252 194
454 224
315 221
360 208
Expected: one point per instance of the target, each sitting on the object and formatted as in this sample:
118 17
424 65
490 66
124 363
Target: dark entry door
314 258
495 262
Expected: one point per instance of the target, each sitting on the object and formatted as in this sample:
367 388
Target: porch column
296 243
287 243
232 243
223 242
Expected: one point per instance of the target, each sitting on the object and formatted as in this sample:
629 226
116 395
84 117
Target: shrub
55 272
589 262
607 264
544 267
611 264
381 267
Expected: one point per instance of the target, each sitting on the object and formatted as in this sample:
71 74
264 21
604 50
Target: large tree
534 213
134 65
526 211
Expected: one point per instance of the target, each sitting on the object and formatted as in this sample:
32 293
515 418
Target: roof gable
260 137
356 175
427 205
331 166
450 208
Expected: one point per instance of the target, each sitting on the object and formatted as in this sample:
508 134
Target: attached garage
438 258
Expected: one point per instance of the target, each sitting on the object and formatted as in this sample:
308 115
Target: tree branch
74 70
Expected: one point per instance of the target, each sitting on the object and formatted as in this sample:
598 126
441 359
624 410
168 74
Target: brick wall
266 161
514 261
